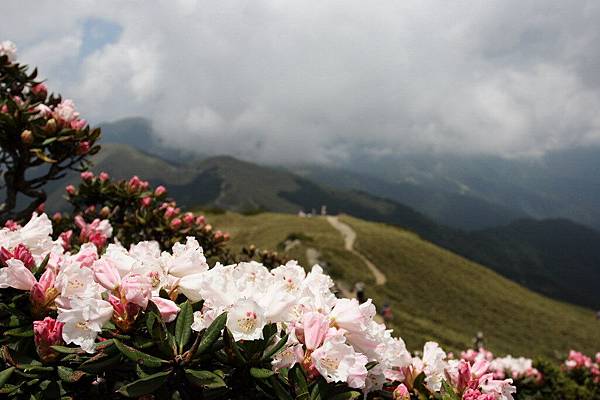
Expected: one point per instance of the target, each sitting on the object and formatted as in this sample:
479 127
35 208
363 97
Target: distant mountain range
555 257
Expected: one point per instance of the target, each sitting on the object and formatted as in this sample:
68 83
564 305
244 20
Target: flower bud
188 218
200 220
207 228
50 126
87 176
146 201
103 176
84 147
47 333
40 90
105 212
167 308
27 136
70 189
57 217
176 223
159 191
401 393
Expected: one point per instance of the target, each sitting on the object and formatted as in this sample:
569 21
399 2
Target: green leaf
280 391
100 362
22 331
232 345
448 392
67 350
275 349
139 357
145 385
205 379
183 329
261 373
212 333
5 375
68 375
297 376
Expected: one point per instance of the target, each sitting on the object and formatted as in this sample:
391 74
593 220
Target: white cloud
288 81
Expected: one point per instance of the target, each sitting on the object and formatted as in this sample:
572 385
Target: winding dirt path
349 236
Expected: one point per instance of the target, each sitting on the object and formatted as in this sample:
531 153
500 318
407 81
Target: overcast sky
289 81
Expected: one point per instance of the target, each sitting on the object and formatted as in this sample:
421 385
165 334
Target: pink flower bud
105 212
40 90
188 218
46 333
176 223
57 216
84 147
41 293
103 176
200 220
41 208
218 235
70 189
106 274
87 176
159 191
65 238
90 210
170 212
4 108
135 182
168 309
78 124
146 201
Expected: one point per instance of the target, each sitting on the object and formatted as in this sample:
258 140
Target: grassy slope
435 294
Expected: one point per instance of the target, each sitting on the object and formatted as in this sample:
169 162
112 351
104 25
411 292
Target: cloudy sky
289 81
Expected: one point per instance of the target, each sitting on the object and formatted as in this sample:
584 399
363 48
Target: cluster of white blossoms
335 338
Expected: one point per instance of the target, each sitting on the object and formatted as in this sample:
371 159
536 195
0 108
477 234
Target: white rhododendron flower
186 259
338 362
83 320
246 320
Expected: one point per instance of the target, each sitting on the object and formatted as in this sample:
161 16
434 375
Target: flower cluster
99 293
42 135
579 362
501 367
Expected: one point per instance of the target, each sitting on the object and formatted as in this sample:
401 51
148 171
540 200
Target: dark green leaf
139 357
297 376
68 375
448 393
280 391
212 333
183 329
145 385
205 379
261 373
275 349
5 375
346 395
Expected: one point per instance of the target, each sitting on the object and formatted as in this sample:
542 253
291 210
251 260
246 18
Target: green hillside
435 294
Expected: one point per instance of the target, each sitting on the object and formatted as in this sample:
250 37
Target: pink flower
16 275
137 289
106 274
168 309
21 252
135 182
12 225
87 255
175 223
65 111
103 176
401 393
43 293
159 191
87 176
146 201
70 189
314 329
46 333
